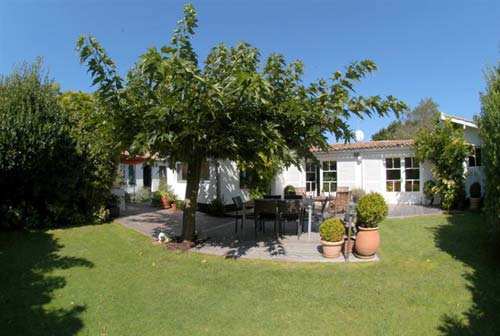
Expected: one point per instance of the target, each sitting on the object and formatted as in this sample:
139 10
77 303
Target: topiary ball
332 230
371 210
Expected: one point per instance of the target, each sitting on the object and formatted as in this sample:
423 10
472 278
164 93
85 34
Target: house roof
368 145
459 120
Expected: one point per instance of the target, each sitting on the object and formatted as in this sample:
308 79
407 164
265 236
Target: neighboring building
388 167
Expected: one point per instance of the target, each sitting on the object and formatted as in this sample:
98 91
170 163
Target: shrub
429 189
371 210
156 199
357 193
180 204
289 190
475 190
332 230
216 207
57 165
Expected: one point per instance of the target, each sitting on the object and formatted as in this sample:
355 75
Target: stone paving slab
220 238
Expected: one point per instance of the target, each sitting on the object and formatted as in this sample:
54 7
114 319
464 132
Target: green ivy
445 147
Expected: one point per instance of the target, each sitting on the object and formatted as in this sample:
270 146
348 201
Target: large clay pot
165 201
474 203
331 249
174 206
367 242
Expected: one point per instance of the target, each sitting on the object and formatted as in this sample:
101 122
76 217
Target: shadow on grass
467 239
26 262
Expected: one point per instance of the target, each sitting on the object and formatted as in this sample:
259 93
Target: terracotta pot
332 249
174 206
349 246
367 242
474 203
165 201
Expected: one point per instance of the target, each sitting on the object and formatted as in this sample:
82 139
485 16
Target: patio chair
323 207
341 201
291 211
265 210
240 209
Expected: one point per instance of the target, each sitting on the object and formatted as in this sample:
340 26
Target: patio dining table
306 203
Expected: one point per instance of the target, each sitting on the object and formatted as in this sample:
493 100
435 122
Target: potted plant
179 204
165 199
332 232
429 191
371 210
173 202
289 190
475 195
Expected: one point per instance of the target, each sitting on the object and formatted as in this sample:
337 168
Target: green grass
437 276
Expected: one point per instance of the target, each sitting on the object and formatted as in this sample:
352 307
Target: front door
146 171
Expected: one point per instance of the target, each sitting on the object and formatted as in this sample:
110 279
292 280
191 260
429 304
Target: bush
56 165
371 210
289 190
475 190
429 188
156 199
180 204
216 207
332 230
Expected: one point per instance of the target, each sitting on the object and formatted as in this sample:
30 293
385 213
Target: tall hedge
489 129
47 177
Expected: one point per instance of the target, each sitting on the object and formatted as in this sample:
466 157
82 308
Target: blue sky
434 49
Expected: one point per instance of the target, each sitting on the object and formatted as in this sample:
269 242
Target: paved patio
222 240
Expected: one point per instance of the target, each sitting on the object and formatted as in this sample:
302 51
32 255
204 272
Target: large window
329 176
412 174
475 160
310 177
393 174
182 169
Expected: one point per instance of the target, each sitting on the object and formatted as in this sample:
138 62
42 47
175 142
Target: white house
388 167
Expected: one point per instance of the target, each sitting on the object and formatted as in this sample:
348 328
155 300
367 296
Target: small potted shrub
165 199
332 232
179 204
371 210
173 202
429 191
475 195
290 190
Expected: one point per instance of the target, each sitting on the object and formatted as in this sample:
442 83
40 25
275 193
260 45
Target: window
393 174
329 176
475 160
412 174
310 177
131 174
182 169
162 172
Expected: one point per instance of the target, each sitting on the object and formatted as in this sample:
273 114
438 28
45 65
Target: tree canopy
489 129
424 116
234 106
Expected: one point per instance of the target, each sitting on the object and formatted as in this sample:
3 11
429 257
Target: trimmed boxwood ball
371 210
332 230
475 190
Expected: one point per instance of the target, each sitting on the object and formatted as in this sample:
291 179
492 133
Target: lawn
437 276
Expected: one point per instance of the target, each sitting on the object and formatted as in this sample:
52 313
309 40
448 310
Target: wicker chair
341 201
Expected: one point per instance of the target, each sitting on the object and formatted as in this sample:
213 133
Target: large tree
424 116
489 129
232 107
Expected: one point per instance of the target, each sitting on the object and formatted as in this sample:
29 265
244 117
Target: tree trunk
191 199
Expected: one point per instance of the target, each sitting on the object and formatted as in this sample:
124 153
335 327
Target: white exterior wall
364 169
474 174
229 182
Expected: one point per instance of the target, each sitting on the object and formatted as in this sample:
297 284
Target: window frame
311 185
476 159
334 182
393 168
414 166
